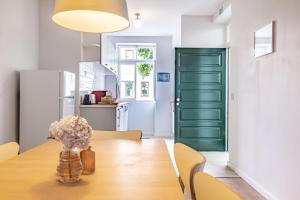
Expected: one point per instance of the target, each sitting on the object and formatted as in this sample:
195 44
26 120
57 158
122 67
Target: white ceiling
163 17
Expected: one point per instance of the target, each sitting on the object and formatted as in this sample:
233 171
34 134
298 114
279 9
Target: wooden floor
243 188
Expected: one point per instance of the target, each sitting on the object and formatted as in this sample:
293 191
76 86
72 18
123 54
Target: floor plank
243 188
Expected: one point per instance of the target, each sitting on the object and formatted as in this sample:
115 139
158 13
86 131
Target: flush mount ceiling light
137 23
94 16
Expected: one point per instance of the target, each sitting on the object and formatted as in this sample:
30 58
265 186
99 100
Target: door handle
177 101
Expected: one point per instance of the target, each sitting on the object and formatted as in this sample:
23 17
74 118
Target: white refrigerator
45 97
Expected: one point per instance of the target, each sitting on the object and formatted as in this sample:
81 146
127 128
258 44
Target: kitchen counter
109 117
99 106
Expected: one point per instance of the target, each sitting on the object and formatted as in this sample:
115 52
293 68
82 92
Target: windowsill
137 60
135 100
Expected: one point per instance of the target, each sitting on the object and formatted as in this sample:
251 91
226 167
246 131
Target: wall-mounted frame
264 40
163 77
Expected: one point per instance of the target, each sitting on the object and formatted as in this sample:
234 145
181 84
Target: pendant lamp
93 16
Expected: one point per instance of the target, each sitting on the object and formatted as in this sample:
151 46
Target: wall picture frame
163 77
264 40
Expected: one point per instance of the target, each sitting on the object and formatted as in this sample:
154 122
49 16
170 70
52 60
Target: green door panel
196 59
202 132
203 77
200 114
200 96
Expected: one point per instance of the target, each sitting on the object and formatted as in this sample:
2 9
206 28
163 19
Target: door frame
227 89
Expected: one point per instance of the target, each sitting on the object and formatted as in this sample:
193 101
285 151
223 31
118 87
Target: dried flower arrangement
73 132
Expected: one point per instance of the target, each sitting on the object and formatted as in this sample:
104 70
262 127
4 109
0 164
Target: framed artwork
163 77
264 40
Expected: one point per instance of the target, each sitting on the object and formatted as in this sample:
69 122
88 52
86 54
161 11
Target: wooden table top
125 170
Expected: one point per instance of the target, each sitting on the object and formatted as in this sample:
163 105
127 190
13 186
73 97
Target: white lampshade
94 16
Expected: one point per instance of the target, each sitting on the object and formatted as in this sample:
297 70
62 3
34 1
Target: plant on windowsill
145 53
145 69
74 133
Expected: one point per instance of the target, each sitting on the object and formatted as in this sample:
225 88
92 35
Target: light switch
232 97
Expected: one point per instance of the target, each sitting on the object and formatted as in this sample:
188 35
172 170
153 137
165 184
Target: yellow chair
8 151
209 188
127 135
188 162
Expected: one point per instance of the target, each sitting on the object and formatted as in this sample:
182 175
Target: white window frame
135 62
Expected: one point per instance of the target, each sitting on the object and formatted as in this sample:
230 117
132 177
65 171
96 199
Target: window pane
145 81
127 53
127 72
127 89
145 53
144 89
145 69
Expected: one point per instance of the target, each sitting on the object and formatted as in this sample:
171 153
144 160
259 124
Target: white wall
19 40
60 48
154 118
200 31
264 116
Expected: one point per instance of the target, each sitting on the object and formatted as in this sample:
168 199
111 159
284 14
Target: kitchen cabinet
106 117
99 48
109 56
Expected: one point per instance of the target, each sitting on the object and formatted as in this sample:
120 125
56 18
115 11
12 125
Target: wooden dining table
125 170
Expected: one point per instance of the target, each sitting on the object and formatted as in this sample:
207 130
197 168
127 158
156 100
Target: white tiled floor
216 164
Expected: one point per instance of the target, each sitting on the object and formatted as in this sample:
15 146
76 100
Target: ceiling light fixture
137 23
94 16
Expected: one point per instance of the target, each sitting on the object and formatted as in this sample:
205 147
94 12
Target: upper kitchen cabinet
98 48
109 54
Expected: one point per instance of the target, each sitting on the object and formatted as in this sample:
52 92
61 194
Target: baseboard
158 137
148 134
252 182
166 135
163 135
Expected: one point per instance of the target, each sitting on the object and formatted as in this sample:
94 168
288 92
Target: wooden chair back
209 188
188 162
127 135
8 150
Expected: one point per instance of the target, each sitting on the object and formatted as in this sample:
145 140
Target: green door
200 98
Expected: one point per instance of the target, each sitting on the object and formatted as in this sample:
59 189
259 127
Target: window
136 71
